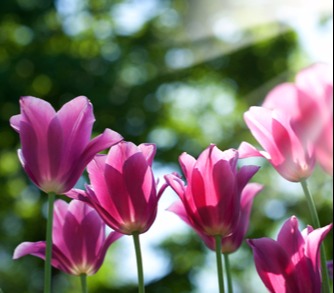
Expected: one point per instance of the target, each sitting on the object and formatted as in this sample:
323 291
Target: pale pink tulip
295 125
211 198
56 146
292 263
79 239
122 187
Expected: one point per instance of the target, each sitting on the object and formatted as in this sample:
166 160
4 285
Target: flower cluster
294 126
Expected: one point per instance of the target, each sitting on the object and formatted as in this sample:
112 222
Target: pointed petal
187 163
176 184
259 120
273 265
33 248
15 122
246 150
148 150
245 173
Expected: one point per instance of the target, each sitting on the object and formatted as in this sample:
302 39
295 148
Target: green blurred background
174 72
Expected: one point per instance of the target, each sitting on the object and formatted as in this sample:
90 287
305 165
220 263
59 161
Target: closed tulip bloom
79 239
211 199
231 242
294 125
122 187
292 263
56 146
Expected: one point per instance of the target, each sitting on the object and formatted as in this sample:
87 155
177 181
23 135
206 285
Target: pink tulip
233 241
211 200
123 190
56 146
79 239
295 124
292 263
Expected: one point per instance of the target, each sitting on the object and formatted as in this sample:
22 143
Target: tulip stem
48 250
83 279
316 224
219 263
141 286
228 273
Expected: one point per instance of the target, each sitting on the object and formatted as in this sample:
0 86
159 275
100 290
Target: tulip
79 239
295 124
233 241
122 187
290 264
123 191
56 146
211 200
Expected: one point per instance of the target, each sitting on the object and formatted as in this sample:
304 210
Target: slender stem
228 273
83 279
141 286
316 224
48 250
219 263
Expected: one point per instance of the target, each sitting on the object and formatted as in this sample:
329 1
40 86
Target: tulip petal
275 271
259 120
33 248
148 150
176 184
187 164
246 150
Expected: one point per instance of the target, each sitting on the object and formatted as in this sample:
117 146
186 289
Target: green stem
316 224
48 250
219 263
141 287
228 273
83 279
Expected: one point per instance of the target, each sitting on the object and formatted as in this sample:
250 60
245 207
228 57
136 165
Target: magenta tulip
211 199
231 242
292 263
56 146
79 239
123 190
294 125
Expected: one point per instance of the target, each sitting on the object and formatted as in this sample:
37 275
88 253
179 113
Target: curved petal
148 150
33 248
259 120
273 265
312 244
187 163
246 150
15 121
175 182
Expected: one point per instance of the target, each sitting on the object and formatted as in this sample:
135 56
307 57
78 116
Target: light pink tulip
123 190
56 146
211 198
292 263
79 239
294 124
233 241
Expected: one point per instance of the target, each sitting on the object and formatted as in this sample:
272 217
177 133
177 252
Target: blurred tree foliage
152 82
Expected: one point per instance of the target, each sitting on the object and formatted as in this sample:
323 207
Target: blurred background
178 73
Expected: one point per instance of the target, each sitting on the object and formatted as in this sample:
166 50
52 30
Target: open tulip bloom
212 201
56 148
123 190
290 264
79 239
